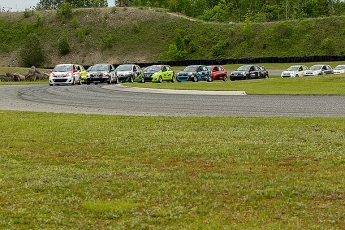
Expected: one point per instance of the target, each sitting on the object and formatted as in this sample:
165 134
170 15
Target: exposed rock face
31 74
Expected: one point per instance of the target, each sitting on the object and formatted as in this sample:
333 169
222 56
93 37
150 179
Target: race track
115 99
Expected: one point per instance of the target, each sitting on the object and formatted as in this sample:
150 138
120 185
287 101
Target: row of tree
225 10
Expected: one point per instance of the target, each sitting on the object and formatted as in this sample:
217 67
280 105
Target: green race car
83 73
158 73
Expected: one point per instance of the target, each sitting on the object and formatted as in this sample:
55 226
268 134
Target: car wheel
209 79
247 77
142 80
232 79
225 78
173 79
160 80
51 84
195 79
116 81
73 82
131 79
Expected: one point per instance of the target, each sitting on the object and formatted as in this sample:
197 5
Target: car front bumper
183 78
61 80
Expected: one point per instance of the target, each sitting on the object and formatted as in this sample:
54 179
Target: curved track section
114 99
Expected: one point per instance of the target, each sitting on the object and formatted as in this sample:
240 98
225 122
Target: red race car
218 72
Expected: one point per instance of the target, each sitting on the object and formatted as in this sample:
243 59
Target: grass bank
319 85
144 35
120 172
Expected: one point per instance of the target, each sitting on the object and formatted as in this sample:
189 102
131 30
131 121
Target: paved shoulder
120 87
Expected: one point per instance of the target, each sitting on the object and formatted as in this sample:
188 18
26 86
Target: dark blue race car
194 73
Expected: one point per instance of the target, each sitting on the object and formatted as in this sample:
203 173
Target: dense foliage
256 10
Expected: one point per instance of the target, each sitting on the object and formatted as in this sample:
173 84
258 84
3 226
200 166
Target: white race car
340 69
65 74
294 71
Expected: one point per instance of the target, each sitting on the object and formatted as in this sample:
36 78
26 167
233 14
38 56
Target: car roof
65 64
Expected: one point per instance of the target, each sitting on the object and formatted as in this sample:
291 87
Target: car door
112 70
254 71
167 73
206 73
219 72
138 71
76 73
171 72
200 73
329 69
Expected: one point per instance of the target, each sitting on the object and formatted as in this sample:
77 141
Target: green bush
106 41
135 28
28 13
80 34
64 47
65 11
75 22
32 53
192 47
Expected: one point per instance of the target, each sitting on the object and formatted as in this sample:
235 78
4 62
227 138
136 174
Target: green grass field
319 85
70 171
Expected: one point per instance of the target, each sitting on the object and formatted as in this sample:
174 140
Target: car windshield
316 67
293 68
340 67
100 68
243 68
124 68
190 68
63 68
153 68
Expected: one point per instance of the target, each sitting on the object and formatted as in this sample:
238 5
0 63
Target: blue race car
194 73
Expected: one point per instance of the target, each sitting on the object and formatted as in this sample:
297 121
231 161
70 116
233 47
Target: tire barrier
248 60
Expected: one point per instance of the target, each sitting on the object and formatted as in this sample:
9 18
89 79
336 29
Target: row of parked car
100 73
319 69
107 73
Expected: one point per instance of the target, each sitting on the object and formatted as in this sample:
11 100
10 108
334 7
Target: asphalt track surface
116 99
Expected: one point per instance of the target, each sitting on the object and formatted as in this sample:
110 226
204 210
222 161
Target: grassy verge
320 85
105 172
